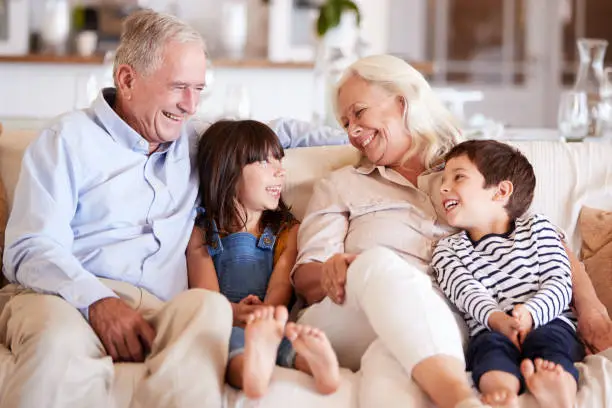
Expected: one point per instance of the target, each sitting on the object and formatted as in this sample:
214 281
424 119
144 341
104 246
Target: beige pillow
596 230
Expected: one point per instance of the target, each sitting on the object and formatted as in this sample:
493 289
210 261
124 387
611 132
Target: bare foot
499 389
501 398
315 356
263 334
549 383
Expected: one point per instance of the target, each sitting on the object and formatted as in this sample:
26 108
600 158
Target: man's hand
506 325
523 315
333 277
595 329
125 334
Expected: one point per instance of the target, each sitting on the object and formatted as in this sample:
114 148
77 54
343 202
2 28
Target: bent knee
207 300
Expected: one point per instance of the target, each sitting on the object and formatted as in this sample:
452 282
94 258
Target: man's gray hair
143 37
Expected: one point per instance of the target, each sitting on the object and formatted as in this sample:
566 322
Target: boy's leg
494 362
553 379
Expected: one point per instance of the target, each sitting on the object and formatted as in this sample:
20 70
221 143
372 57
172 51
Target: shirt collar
116 127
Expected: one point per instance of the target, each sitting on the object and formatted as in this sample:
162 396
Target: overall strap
267 239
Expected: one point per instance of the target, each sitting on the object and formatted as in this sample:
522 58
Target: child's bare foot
549 383
499 389
263 334
501 398
315 356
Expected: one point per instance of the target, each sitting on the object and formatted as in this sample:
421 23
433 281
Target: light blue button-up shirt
92 202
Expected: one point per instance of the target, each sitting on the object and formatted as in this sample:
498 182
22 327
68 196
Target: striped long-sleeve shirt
527 265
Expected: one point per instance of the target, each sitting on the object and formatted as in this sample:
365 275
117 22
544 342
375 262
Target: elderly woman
366 240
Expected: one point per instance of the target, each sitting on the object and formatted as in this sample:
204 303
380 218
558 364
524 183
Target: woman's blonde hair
144 35
433 129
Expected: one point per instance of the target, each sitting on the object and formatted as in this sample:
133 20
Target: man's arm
39 236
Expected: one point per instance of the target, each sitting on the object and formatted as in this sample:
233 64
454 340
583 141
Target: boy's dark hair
497 162
223 151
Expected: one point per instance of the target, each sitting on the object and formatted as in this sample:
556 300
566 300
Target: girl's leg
315 356
414 322
251 371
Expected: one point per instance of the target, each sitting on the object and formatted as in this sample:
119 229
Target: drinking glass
573 119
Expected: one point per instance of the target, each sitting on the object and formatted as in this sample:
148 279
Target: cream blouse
356 208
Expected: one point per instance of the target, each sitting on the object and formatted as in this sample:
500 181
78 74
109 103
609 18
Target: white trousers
389 299
60 362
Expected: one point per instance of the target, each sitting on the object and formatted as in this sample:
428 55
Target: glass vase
590 80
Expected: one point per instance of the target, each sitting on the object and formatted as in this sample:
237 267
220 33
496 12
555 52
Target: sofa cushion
596 230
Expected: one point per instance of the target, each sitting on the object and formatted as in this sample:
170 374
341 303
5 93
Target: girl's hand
523 315
506 325
242 311
251 300
333 277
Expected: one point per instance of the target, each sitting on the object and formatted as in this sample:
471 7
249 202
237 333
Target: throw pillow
596 253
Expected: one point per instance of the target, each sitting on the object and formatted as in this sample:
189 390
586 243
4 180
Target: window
478 41
584 18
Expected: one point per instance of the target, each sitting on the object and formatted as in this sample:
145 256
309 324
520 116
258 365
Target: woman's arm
279 288
594 324
307 282
321 237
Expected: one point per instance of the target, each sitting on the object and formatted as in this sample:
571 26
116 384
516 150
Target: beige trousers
60 362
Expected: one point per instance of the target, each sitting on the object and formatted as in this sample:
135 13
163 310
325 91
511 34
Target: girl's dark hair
223 151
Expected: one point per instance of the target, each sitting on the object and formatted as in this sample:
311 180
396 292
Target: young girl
244 244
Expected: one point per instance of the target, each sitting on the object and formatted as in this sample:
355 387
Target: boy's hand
525 320
506 325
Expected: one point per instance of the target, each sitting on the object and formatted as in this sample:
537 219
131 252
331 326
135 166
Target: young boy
509 274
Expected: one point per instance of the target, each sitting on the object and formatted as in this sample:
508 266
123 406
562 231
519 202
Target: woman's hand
506 325
333 276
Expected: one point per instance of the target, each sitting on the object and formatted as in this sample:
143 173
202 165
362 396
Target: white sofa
569 176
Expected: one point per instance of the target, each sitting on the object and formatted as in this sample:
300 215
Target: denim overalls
244 265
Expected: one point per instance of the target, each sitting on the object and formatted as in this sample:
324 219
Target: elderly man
95 245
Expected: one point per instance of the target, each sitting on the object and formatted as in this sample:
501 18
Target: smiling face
374 120
157 104
469 205
260 186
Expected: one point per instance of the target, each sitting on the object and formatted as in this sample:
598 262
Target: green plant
330 13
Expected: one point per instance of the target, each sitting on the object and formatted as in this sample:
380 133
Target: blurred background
497 63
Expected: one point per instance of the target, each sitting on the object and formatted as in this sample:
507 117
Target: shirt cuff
534 316
82 294
489 311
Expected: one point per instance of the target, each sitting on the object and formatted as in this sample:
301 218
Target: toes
280 314
291 331
527 368
539 364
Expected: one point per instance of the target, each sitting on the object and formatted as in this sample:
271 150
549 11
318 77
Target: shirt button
142 143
